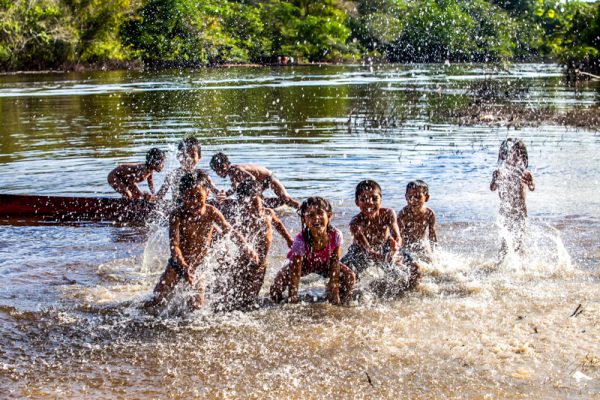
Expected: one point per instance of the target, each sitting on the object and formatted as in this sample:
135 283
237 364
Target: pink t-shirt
311 260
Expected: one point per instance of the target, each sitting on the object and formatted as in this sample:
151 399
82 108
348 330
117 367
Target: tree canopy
39 34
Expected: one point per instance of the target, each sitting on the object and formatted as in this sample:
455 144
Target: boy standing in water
510 179
189 155
191 227
255 222
376 235
242 172
415 221
125 178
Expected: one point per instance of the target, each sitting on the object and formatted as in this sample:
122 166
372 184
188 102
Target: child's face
159 166
316 220
194 198
190 158
369 202
221 170
416 198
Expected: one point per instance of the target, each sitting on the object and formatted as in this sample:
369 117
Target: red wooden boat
22 208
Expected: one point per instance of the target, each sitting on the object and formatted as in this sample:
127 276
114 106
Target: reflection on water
70 318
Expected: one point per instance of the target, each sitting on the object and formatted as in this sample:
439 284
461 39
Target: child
255 222
374 229
415 220
315 250
191 228
510 179
189 155
243 172
125 178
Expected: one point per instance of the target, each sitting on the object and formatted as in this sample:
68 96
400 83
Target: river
71 322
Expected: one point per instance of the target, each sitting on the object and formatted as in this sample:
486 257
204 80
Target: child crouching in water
510 180
191 227
377 238
125 178
316 249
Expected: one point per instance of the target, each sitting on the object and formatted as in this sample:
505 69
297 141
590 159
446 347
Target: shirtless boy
191 228
255 222
242 172
416 221
374 230
189 155
125 178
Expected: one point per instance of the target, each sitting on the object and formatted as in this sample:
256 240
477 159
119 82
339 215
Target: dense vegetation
38 34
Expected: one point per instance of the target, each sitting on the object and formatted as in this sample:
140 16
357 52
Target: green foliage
38 34
35 34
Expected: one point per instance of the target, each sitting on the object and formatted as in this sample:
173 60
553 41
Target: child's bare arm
357 231
394 230
333 287
494 184
150 180
527 179
165 187
295 275
281 229
431 226
211 186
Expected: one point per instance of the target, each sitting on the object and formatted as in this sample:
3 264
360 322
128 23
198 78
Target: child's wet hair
365 185
418 184
186 145
318 202
513 144
248 189
191 180
218 160
155 156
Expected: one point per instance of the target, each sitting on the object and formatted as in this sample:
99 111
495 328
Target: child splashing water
316 249
510 180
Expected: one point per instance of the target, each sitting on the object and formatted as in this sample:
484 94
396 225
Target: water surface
70 320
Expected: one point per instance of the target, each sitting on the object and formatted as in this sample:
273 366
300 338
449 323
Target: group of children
380 238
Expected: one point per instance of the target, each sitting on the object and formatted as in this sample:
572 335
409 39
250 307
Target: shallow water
70 318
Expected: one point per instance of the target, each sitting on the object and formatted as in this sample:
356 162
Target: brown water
70 318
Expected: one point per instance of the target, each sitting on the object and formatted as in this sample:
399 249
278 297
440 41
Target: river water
71 324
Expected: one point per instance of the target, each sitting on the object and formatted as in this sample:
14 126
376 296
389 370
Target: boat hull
72 209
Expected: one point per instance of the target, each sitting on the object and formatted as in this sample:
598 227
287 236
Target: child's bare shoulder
387 213
430 213
403 213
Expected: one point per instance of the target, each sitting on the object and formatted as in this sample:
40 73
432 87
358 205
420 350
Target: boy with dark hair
125 178
374 230
415 221
189 154
239 173
191 227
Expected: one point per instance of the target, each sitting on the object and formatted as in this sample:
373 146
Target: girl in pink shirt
317 250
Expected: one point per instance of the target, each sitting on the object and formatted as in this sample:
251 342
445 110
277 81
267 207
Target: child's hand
221 196
527 179
149 197
252 255
189 276
333 295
